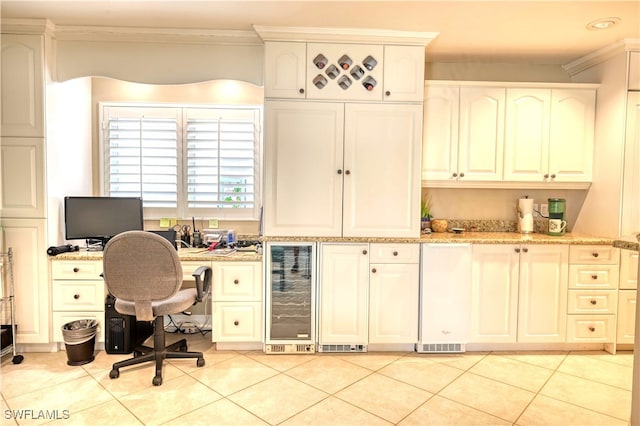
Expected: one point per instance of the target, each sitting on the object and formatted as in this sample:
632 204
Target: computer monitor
97 219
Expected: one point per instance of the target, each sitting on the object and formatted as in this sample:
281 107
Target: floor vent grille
290 348
342 348
439 348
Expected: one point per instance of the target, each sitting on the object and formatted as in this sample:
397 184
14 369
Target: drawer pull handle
526 250
76 269
236 282
517 250
592 329
301 91
395 253
374 270
594 276
236 323
364 252
76 296
595 254
593 302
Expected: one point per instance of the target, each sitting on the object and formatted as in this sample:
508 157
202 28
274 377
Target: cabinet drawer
592 302
78 295
189 266
76 270
237 281
628 269
61 318
594 254
394 253
593 276
590 328
237 322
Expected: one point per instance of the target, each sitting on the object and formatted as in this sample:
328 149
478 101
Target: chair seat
182 301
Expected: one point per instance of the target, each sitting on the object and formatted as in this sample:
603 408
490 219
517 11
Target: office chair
143 272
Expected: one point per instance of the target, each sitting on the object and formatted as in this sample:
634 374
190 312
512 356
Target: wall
478 71
226 92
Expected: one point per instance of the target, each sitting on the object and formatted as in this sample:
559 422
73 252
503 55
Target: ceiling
541 32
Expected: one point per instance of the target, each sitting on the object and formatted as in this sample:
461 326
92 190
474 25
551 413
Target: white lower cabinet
237 302
519 293
445 299
77 292
368 294
593 295
627 297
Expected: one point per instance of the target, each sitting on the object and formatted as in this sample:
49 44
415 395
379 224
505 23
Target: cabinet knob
395 253
347 172
301 90
339 171
526 250
454 174
236 323
462 174
595 254
517 250
546 176
593 302
364 252
592 329
387 93
374 270
76 296
594 276
236 282
553 176
76 269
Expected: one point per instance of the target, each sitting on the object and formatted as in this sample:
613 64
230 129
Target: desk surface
197 255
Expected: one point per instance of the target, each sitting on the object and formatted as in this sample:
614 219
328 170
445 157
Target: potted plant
425 214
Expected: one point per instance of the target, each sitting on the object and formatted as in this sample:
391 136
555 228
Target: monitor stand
96 244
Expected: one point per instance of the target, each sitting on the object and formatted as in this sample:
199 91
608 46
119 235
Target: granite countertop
189 254
629 242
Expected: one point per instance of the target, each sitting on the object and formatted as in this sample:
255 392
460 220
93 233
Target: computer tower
122 332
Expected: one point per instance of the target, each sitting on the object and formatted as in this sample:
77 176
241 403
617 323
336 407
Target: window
183 161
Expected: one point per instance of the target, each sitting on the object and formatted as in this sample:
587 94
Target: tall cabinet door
571 134
494 293
542 310
527 134
382 170
303 168
631 179
344 294
22 177
440 132
481 135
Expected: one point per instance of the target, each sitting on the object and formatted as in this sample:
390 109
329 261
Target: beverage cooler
291 297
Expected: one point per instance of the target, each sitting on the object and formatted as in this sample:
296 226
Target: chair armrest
202 287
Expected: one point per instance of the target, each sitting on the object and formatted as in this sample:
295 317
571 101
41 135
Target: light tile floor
377 388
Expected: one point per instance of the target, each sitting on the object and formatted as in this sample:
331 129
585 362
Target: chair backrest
141 267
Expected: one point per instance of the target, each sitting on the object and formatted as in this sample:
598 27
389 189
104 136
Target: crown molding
27 26
344 35
601 55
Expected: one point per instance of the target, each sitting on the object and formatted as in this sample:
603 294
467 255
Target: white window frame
181 112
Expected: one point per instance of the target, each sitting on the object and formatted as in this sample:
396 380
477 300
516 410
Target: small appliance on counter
525 215
557 221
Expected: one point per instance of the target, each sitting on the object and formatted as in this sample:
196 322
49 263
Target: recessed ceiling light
602 24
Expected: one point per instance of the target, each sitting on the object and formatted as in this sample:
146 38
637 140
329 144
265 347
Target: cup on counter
557 226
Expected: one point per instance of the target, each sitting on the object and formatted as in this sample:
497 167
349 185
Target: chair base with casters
158 353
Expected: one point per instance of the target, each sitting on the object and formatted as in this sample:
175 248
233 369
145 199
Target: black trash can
79 340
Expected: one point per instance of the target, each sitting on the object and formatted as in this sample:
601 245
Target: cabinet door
344 294
32 311
22 81
634 71
303 168
382 170
481 143
542 308
628 269
527 134
631 176
571 135
627 305
393 303
403 73
494 293
440 133
22 178
446 293
285 66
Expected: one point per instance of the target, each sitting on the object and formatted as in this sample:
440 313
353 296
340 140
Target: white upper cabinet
463 133
549 135
634 71
22 178
404 73
285 63
22 81
631 172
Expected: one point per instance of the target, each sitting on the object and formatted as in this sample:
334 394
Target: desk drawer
237 321
189 266
593 276
590 328
78 295
76 269
592 302
237 281
594 254
394 253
